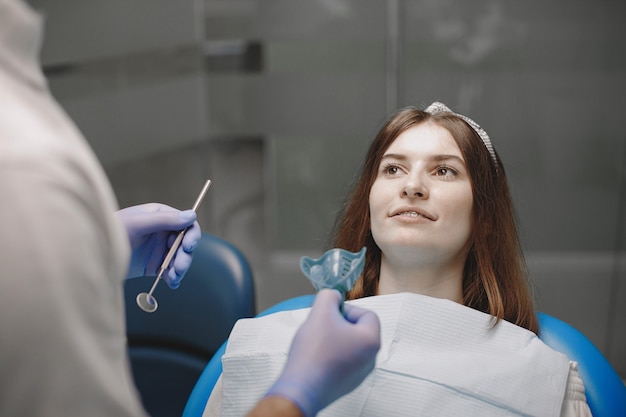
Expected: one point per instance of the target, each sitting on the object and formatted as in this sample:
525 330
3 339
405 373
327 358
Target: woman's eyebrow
434 158
441 158
394 156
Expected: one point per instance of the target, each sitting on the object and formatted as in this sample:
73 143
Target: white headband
438 107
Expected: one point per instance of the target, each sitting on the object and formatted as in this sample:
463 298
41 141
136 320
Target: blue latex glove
330 354
152 228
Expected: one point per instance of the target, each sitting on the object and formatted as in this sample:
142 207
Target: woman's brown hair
495 279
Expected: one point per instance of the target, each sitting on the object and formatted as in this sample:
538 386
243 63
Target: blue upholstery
170 348
606 394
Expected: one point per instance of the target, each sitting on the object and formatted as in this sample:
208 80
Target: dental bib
438 358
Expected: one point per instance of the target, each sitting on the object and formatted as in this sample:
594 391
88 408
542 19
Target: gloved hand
330 354
152 228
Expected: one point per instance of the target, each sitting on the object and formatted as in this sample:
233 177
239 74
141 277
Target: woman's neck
431 279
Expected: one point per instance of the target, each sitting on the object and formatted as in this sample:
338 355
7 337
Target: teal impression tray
336 269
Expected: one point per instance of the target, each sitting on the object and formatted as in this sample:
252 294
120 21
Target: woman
490 271
432 206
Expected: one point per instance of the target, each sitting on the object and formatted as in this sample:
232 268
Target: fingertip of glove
329 295
174 283
173 279
187 215
189 247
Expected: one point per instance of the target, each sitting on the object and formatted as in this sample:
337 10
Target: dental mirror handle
143 297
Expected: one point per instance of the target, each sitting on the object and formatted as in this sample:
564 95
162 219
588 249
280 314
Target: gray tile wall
277 100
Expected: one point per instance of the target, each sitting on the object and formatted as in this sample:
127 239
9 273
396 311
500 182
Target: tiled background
277 100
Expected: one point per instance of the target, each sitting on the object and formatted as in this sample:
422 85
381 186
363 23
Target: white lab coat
63 253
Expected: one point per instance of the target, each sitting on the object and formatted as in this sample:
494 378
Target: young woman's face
421 200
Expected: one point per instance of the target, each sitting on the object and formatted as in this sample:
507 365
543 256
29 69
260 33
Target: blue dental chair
170 348
605 391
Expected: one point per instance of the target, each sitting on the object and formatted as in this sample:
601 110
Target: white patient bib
438 358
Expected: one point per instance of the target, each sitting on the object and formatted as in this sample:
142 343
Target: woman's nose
415 187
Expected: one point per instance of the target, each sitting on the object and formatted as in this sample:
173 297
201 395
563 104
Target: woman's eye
391 169
445 172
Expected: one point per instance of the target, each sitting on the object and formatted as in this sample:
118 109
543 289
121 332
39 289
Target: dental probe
146 300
